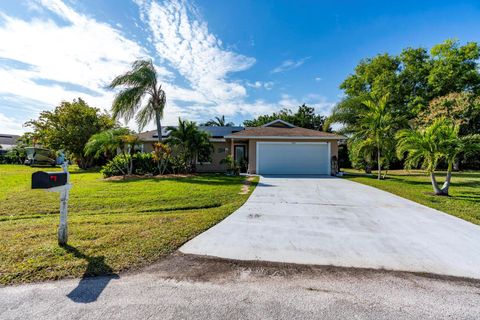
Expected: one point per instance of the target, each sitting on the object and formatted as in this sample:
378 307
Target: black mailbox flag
47 180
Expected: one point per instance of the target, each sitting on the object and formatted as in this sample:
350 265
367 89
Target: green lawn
113 225
463 202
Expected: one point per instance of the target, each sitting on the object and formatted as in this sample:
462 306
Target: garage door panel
293 158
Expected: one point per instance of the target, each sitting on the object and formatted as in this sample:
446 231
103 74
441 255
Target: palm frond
127 102
143 74
145 115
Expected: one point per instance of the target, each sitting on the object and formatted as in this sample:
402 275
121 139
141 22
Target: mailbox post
56 182
64 194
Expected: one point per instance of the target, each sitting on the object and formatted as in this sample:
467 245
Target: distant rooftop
8 139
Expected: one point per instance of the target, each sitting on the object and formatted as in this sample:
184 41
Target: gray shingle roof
215 132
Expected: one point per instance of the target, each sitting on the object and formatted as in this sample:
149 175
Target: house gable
279 123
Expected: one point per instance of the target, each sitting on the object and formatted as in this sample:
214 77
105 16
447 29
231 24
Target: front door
240 156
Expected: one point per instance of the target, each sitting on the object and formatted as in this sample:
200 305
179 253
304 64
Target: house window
221 150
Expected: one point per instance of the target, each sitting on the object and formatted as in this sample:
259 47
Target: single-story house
277 147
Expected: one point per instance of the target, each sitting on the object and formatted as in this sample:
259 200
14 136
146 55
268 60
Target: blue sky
237 58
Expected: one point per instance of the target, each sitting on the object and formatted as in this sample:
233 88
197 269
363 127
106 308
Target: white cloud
10 125
84 53
268 85
318 79
256 84
182 38
289 64
320 103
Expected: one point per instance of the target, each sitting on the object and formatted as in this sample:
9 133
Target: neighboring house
277 147
7 142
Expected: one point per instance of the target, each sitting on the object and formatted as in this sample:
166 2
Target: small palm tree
192 143
138 83
453 145
422 146
376 127
218 122
112 141
438 141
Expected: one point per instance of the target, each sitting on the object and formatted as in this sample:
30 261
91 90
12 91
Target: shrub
143 163
115 166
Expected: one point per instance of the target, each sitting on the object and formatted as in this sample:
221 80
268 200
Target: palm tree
218 122
453 145
436 142
138 83
193 144
110 141
422 146
375 128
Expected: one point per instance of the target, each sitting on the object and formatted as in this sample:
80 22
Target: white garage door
293 158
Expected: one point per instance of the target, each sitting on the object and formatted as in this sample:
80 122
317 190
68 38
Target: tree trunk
379 176
159 125
385 175
132 153
446 184
81 162
119 169
436 189
127 169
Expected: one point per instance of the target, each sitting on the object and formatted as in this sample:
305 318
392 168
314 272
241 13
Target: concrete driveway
331 221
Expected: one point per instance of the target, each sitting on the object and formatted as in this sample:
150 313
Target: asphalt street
185 287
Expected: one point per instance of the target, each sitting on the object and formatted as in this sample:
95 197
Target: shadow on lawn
469 196
199 179
426 182
89 288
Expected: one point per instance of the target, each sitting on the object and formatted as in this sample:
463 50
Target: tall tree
414 90
462 108
454 68
218 122
69 126
374 77
139 83
415 77
413 80
304 117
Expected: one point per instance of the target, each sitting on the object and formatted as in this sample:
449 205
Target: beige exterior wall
221 149
252 149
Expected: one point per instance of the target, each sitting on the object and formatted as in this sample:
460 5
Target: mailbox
47 180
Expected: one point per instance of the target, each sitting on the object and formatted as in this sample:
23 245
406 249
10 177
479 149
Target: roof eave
286 137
